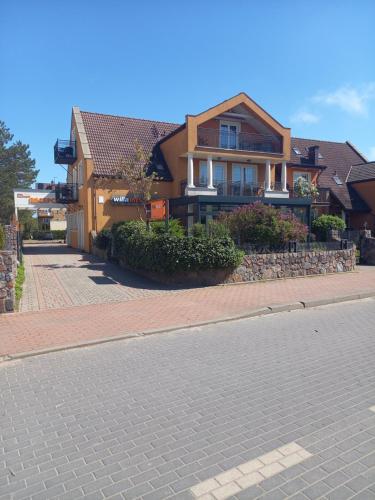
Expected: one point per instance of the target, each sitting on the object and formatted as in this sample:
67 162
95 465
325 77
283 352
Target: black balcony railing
66 193
216 138
228 188
321 197
65 152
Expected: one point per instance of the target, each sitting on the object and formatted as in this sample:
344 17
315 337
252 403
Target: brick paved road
58 276
37 330
154 417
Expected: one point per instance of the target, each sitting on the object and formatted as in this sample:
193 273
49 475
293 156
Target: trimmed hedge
103 239
57 234
165 253
325 223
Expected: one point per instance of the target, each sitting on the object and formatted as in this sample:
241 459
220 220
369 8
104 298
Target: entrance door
81 230
228 135
244 180
219 178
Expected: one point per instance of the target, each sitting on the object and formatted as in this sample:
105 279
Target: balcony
66 193
324 196
321 198
227 188
65 152
241 141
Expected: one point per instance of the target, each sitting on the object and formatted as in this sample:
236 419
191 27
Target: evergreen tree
17 170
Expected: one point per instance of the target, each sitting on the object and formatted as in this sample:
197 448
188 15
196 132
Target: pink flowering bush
261 224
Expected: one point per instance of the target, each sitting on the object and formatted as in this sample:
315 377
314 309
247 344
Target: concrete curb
272 309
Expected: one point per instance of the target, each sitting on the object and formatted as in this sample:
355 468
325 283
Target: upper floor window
297 151
229 135
80 173
305 176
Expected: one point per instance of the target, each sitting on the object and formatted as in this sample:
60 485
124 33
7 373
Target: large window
229 135
219 175
306 176
244 180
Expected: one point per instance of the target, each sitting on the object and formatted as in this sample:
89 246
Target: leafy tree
134 170
28 223
17 170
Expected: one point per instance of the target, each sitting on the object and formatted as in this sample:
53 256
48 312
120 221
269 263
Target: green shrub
217 229
261 224
2 237
59 234
324 223
175 228
103 239
121 231
170 254
198 230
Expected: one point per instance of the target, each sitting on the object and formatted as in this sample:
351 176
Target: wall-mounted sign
157 209
128 199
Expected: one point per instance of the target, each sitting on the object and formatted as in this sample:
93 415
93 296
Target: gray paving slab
152 417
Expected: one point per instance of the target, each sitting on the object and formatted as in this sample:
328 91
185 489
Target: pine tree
17 170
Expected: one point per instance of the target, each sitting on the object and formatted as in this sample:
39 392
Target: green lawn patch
19 282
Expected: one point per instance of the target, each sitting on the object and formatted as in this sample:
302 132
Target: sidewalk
33 331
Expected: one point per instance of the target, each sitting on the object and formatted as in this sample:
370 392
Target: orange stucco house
231 154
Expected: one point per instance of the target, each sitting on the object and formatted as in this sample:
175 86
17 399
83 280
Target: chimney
313 155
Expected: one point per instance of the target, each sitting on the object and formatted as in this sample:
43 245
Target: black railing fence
296 246
216 138
65 152
66 193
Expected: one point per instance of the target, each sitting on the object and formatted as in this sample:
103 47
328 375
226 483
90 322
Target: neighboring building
232 154
361 179
52 219
42 201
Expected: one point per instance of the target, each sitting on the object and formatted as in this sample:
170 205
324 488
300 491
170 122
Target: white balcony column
268 176
210 173
283 177
190 171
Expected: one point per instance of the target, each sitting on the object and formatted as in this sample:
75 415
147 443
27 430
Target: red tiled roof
112 137
337 157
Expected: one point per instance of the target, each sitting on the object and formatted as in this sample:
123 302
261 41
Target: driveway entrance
58 276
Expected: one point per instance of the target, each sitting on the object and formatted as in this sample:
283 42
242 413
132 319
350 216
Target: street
273 407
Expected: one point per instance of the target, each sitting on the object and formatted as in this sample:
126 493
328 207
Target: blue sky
310 64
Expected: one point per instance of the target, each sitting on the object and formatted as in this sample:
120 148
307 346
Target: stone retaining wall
290 265
261 267
8 272
368 250
11 242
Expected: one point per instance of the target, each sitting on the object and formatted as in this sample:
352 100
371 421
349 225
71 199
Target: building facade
232 154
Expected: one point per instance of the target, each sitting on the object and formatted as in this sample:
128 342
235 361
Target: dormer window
337 179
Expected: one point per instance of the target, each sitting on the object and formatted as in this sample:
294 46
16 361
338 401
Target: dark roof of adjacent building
112 138
337 158
362 172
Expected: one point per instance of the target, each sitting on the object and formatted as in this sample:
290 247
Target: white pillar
210 173
268 176
283 176
190 171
